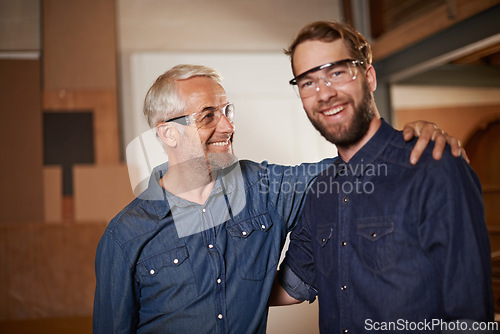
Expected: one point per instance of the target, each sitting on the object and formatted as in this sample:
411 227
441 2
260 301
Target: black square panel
68 139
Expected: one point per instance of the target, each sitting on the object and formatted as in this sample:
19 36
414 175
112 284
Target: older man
198 250
385 245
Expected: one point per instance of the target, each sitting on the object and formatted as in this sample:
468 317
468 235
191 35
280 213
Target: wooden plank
48 270
52 189
81 325
425 26
100 192
21 176
79 44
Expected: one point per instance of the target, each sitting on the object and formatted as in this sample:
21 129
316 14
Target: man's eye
337 73
207 116
306 84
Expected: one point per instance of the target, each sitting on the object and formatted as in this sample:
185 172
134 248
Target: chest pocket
167 279
324 244
376 242
253 241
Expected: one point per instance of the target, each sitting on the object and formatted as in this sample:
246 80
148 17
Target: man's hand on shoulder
427 131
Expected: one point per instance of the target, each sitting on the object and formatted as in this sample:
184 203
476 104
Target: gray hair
163 101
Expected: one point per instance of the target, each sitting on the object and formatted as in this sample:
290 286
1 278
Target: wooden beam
427 25
475 57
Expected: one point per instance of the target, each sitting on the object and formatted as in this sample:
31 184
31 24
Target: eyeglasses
337 73
207 118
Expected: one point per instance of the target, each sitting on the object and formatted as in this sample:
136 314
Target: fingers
412 130
427 132
409 133
457 149
418 149
430 131
455 146
464 154
439 144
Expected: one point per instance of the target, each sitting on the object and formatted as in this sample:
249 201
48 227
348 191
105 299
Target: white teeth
334 111
220 143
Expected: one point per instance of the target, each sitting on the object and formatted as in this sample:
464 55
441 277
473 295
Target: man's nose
324 89
225 125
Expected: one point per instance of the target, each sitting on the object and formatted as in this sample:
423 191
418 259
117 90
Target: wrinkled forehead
200 92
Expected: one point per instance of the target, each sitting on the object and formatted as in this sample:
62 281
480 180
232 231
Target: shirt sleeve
288 187
298 270
453 233
115 304
294 286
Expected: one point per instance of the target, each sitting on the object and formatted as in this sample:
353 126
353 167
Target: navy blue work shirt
155 275
384 243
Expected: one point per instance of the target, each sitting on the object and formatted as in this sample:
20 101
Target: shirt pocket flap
171 258
323 235
245 228
375 230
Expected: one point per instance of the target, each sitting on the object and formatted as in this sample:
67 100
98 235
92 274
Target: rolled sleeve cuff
294 286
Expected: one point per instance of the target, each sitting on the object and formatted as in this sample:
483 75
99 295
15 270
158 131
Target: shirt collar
163 201
368 153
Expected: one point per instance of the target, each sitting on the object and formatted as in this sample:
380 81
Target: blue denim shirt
155 277
382 241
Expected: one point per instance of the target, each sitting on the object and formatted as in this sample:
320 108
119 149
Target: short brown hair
329 31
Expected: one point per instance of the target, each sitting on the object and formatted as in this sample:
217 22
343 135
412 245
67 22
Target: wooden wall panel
52 182
4 274
80 70
47 270
21 188
79 44
460 121
100 192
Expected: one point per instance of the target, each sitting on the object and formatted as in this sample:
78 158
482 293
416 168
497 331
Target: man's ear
167 134
371 78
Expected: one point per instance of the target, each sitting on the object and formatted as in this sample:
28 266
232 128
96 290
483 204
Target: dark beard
354 132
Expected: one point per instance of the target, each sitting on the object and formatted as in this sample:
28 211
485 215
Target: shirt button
345 199
204 210
374 235
176 261
343 243
152 271
210 246
244 233
263 226
219 316
345 331
219 281
343 287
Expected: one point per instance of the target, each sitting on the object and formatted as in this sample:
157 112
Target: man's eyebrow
213 108
306 76
209 108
